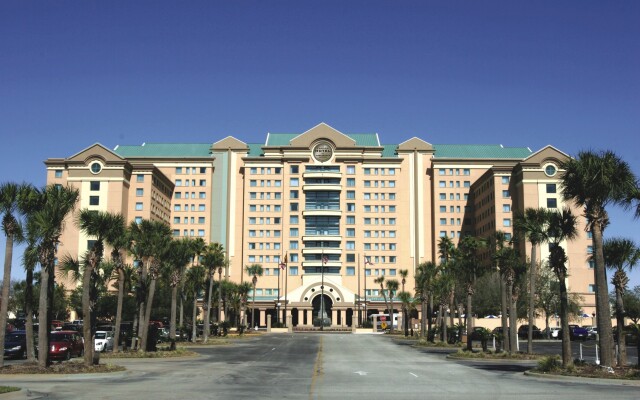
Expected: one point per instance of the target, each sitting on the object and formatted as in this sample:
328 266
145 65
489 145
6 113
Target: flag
367 261
325 259
283 264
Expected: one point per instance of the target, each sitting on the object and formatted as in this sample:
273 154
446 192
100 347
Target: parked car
15 344
555 332
523 332
65 344
576 332
103 341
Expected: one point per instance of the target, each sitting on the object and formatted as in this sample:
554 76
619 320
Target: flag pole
358 300
322 287
285 288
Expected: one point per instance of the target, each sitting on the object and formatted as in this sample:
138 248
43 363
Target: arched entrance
322 305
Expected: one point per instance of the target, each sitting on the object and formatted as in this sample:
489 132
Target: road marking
411 373
273 349
317 372
361 373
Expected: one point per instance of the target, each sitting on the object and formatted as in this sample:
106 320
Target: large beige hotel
342 208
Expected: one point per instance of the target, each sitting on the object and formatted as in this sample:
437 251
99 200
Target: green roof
255 149
165 150
480 151
361 139
390 150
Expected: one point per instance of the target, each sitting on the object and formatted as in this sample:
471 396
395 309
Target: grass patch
8 389
179 352
490 355
552 365
70 367
422 342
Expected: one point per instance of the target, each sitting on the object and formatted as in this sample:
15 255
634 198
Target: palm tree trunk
147 317
469 318
567 359
43 309
253 307
220 297
116 339
505 323
6 284
194 316
172 321
29 314
86 314
445 334
513 323
622 346
430 336
602 298
423 321
205 328
391 314
532 296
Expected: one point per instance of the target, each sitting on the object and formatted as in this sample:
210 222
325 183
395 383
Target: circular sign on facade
323 152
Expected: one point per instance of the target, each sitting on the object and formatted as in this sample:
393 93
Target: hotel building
341 209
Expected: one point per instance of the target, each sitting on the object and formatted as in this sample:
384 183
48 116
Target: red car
66 344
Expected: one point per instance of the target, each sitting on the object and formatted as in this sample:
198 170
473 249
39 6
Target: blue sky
518 73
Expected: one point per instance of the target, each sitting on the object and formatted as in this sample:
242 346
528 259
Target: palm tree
118 238
620 255
403 275
10 199
594 181
442 286
194 282
405 298
425 275
498 249
469 269
513 270
392 287
178 258
380 280
532 224
94 224
255 270
197 247
46 224
150 242
243 290
562 227
212 258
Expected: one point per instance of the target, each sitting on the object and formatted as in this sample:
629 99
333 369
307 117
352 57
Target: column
309 317
334 317
300 317
263 320
343 318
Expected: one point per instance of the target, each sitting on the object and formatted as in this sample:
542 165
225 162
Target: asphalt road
312 366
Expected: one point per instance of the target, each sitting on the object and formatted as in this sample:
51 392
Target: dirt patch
59 368
596 371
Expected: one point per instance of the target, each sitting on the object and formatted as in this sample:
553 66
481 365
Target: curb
577 379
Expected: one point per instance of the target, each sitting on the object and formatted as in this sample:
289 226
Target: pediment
322 131
415 143
545 155
93 152
229 143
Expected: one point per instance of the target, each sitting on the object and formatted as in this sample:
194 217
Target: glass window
140 178
506 222
293 207
294 169
293 219
351 194
293 232
58 173
351 271
139 220
505 179
139 192
506 194
506 207
443 196
203 182
351 182
351 232
552 203
351 207
94 200
551 188
294 182
293 194
351 169
95 185
293 270
351 219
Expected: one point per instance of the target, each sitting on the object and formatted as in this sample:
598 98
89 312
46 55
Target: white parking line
413 374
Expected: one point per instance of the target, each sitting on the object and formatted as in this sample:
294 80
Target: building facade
325 213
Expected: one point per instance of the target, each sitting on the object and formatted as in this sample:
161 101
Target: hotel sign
322 152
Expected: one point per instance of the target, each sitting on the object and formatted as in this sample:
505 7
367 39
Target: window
293 194
203 182
351 169
351 258
441 171
293 232
202 195
293 207
550 170
592 288
293 270
351 194
443 221
442 184
139 178
467 184
96 167
294 169
466 171
506 194
351 207
138 206
95 185
589 249
351 219
506 222
443 208
176 220
94 200
351 271
551 188
139 192
592 264
351 182
203 170
58 173
351 232
505 179
506 207
138 220
201 220
177 207
201 207
293 219
443 196
201 232
294 182
552 203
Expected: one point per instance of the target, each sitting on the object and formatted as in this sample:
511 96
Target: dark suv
15 344
523 332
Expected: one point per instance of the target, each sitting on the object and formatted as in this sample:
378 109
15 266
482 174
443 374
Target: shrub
549 363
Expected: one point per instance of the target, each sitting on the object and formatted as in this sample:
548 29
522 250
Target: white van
384 318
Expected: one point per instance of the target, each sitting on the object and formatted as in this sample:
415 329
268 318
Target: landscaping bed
60 368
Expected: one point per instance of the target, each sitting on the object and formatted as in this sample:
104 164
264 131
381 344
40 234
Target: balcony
320 238
322 213
325 174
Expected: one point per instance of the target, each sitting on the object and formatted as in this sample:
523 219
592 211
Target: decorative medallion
323 152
